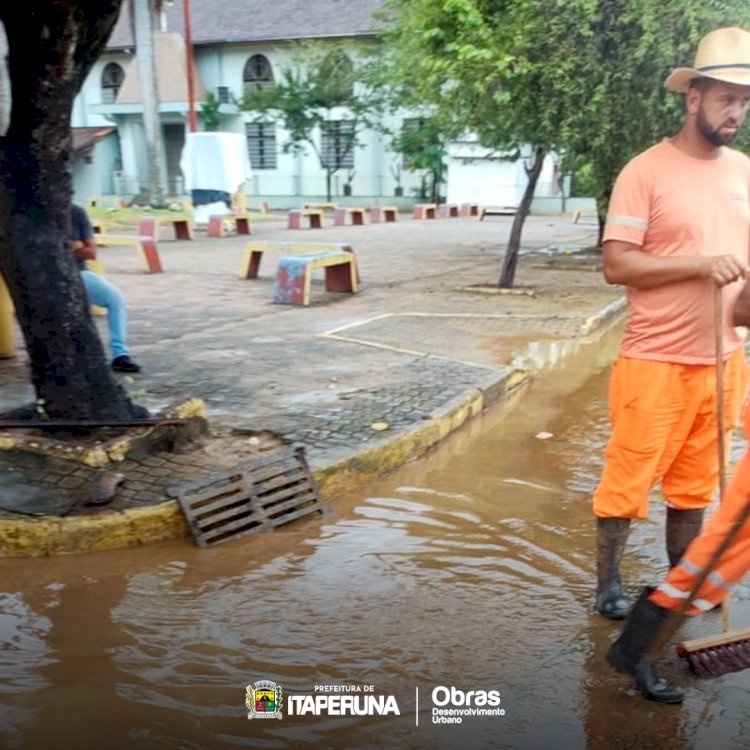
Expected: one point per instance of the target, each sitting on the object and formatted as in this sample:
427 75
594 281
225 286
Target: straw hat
723 54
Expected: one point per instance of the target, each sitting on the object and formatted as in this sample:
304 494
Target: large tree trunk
143 32
508 274
69 370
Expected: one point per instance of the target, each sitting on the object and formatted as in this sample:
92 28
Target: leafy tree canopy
581 77
324 83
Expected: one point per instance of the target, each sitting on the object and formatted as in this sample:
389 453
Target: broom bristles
714 656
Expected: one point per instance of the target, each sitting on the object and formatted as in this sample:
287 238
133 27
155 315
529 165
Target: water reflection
23 654
471 568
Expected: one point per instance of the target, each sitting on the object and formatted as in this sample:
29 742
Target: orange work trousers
733 564
664 428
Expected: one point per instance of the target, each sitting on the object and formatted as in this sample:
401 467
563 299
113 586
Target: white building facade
251 43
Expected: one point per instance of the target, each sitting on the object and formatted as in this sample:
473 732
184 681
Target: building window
257 73
112 77
337 144
223 95
415 126
261 144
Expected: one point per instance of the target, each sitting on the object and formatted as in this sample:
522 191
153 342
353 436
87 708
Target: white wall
473 175
90 94
476 175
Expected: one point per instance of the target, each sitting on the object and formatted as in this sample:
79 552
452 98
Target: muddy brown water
470 569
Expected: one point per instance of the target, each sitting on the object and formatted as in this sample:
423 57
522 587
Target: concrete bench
146 247
322 206
217 224
148 226
425 211
314 217
383 213
356 216
293 273
254 251
447 210
496 211
106 201
7 323
469 209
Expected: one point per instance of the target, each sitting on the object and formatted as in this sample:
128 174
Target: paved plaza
424 343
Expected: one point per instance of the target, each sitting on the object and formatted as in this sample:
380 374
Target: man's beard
712 135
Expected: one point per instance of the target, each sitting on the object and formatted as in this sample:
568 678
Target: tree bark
508 274
69 370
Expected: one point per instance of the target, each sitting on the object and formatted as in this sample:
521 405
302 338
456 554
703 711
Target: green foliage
422 146
210 112
325 82
583 78
506 72
582 182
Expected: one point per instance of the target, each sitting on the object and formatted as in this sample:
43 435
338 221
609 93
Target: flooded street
471 569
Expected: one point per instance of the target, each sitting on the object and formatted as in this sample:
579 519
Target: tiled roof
85 138
215 21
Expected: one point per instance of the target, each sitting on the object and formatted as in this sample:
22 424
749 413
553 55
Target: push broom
729 651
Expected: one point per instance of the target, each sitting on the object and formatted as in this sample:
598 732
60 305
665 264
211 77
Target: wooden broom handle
719 342
673 623
722 444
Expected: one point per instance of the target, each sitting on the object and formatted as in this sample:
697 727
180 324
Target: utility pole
192 120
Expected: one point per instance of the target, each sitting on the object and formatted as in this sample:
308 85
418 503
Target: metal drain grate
252 497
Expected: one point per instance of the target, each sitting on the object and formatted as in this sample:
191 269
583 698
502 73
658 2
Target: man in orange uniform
678 226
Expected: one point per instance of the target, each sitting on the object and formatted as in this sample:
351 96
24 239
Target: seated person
101 292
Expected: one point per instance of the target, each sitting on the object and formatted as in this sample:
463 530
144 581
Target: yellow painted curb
51 535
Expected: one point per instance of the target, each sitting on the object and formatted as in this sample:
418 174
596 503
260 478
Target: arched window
257 72
112 77
337 71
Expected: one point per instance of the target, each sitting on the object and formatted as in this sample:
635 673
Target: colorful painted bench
425 211
322 206
356 216
106 201
496 211
447 210
146 247
383 213
293 273
314 217
217 224
148 226
7 323
469 209
254 251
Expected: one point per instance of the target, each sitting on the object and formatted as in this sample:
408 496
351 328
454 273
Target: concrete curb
47 535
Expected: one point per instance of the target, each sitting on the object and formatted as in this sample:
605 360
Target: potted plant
398 191
348 184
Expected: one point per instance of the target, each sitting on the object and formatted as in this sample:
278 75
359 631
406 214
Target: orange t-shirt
669 203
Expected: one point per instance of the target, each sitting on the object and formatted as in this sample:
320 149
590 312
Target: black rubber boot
611 536
682 527
629 653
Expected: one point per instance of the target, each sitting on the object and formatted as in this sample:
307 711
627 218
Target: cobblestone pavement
425 331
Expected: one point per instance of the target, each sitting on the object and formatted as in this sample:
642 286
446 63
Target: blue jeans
103 293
